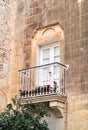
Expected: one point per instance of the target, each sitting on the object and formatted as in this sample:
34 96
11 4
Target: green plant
40 89
26 116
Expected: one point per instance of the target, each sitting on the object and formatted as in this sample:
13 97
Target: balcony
45 83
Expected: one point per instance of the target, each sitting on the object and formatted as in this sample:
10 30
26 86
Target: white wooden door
49 54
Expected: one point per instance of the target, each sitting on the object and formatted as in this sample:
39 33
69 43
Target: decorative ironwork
42 80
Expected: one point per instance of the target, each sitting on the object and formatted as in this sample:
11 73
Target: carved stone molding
58 108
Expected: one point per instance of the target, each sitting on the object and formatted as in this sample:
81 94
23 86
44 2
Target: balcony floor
45 98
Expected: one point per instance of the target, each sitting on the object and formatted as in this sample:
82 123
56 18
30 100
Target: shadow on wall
54 122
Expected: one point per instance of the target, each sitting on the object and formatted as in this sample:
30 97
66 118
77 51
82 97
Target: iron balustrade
43 80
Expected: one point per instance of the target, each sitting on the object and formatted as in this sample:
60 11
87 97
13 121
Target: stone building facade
20 22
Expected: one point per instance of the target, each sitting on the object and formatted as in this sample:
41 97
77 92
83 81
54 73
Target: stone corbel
58 108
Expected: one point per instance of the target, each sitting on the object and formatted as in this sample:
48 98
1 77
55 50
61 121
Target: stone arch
54 30
45 35
48 31
58 112
55 122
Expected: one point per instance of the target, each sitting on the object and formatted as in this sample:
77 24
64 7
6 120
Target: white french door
49 53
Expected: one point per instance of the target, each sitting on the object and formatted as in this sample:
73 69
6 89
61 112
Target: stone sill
45 98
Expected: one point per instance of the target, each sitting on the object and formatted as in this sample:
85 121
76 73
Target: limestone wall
4 37
4 49
72 15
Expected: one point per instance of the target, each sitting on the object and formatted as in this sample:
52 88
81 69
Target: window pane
56 70
45 74
46 61
57 59
56 51
46 53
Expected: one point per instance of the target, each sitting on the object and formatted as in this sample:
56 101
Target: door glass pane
56 69
46 56
46 53
45 73
45 76
57 54
56 51
57 74
46 61
57 59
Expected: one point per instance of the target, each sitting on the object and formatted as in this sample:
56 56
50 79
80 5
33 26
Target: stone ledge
45 98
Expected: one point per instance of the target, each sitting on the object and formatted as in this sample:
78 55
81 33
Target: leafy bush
26 116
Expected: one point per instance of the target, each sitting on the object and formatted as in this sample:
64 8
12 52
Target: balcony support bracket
58 108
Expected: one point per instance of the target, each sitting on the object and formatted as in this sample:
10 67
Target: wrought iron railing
42 80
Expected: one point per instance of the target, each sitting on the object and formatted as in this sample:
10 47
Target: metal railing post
30 76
